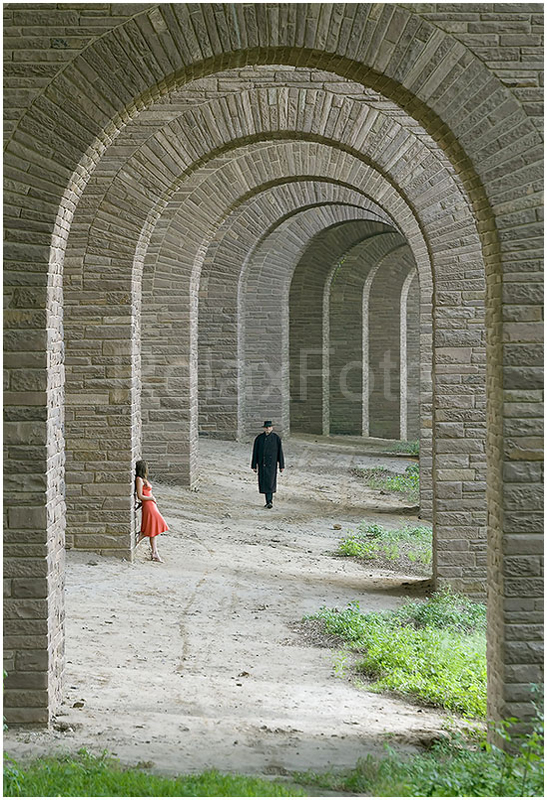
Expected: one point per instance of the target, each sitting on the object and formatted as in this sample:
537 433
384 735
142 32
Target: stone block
27 680
30 587
23 715
26 341
455 559
27 699
522 377
103 542
24 641
521 498
25 567
32 660
23 609
25 518
524 653
523 544
451 461
524 521
522 566
25 398
25 432
525 472
524 587
447 490
455 474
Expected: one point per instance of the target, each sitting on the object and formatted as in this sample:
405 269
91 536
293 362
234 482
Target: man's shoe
269 505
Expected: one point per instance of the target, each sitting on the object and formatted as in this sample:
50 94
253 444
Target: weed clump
384 479
434 651
373 542
451 768
410 447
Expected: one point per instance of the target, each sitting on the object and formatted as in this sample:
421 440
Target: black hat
267 423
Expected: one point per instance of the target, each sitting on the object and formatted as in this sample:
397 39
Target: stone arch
277 257
240 233
487 136
193 210
128 255
310 330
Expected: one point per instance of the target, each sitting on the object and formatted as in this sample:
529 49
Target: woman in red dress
152 522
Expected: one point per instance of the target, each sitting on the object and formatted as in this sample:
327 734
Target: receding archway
474 139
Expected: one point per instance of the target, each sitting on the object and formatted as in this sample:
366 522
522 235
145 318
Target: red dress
152 521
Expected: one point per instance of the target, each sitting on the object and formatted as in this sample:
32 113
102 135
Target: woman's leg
154 547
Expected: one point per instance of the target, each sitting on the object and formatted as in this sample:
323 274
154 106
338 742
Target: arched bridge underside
216 210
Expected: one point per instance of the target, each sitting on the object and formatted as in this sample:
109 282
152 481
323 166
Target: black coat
267 454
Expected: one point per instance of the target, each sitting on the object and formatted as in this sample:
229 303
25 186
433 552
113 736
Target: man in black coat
267 454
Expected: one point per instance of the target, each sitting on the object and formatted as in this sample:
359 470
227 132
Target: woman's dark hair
141 469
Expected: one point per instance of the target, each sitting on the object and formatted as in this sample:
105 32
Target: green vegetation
89 776
412 448
451 768
374 541
433 650
406 483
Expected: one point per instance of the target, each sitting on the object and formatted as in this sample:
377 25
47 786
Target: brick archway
66 124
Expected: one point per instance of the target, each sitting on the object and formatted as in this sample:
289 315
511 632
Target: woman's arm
139 483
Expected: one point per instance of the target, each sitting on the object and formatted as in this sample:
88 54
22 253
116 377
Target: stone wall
114 164
383 312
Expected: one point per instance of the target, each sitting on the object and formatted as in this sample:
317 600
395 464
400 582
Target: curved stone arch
150 223
421 74
309 328
419 81
138 84
122 287
130 289
414 166
239 234
267 358
187 225
310 308
193 407
179 130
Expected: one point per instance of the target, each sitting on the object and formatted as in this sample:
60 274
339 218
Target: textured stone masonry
154 151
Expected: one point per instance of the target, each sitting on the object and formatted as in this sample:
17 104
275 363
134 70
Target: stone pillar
346 363
410 358
384 342
103 411
34 524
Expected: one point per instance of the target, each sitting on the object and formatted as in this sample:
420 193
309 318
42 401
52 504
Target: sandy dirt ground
195 663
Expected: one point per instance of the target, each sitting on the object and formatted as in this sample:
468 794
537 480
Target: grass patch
412 448
434 651
86 775
413 543
450 768
384 479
